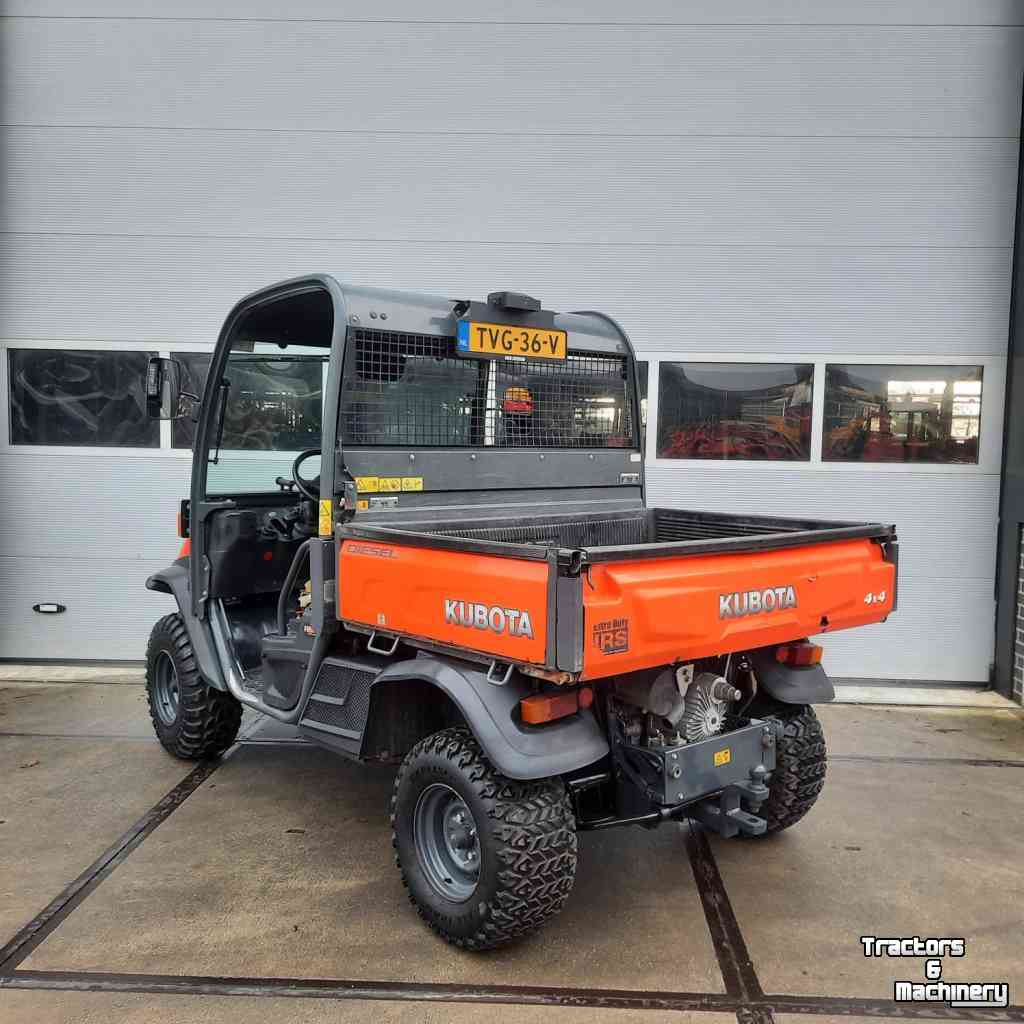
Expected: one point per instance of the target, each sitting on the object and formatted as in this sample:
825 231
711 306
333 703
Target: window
409 389
756 411
902 414
413 390
195 367
642 372
274 404
81 398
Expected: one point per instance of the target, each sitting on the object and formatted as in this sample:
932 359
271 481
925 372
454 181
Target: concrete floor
279 866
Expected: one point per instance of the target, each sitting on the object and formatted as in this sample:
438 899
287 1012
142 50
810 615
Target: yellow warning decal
722 757
412 483
367 484
389 484
362 505
325 517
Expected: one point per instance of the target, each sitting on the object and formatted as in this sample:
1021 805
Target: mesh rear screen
413 390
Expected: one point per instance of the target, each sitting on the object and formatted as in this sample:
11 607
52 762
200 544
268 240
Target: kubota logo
752 602
512 621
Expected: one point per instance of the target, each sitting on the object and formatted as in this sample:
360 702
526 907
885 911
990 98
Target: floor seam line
35 932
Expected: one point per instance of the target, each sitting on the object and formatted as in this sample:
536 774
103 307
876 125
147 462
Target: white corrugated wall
813 179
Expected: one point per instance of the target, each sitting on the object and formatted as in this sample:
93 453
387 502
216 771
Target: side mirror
164 397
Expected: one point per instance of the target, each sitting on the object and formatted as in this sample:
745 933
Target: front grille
404 390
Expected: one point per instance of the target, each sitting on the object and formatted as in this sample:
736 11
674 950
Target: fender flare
791 684
517 751
174 580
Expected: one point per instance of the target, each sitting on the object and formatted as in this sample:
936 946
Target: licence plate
476 338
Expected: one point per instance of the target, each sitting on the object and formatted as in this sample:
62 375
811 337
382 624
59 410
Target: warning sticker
722 757
367 484
412 483
325 517
362 505
389 484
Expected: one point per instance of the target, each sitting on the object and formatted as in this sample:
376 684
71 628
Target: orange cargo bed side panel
497 606
644 613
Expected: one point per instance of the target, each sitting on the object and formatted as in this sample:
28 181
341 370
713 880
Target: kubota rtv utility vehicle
469 584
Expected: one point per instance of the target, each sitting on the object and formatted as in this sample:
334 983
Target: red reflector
799 654
545 707
586 697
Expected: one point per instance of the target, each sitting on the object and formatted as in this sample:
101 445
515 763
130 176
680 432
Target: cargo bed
587 596
607 537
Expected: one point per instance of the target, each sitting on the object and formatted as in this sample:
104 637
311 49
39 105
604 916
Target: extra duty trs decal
612 636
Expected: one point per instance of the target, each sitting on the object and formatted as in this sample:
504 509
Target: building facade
803 213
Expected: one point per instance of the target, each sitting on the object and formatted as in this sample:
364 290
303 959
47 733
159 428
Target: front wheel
800 764
486 859
191 719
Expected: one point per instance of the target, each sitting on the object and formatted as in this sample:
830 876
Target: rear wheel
192 720
800 765
486 859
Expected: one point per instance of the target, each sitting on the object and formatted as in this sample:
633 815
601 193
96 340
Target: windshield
269 409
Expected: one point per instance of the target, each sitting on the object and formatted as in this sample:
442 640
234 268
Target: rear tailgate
654 611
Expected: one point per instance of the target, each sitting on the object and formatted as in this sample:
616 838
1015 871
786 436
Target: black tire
525 834
192 720
800 764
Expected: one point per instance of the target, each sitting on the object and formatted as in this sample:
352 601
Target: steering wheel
308 488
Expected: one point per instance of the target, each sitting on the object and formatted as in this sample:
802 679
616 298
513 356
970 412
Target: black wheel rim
447 843
166 694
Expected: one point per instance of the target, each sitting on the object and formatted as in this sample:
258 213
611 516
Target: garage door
822 185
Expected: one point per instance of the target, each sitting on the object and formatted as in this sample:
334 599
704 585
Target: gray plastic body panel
174 580
800 684
520 752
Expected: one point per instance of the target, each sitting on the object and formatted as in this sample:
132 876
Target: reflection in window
75 397
274 403
641 369
902 413
195 367
758 411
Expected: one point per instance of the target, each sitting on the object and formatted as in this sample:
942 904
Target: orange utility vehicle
473 588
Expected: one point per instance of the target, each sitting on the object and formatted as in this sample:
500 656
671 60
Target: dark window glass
195 366
409 389
735 411
73 397
902 413
274 403
641 368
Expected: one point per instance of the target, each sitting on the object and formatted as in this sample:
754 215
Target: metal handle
377 650
502 680
301 556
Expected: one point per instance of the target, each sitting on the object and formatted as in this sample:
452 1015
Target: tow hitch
735 809
720 781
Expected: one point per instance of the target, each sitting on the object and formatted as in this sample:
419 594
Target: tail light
546 707
802 653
